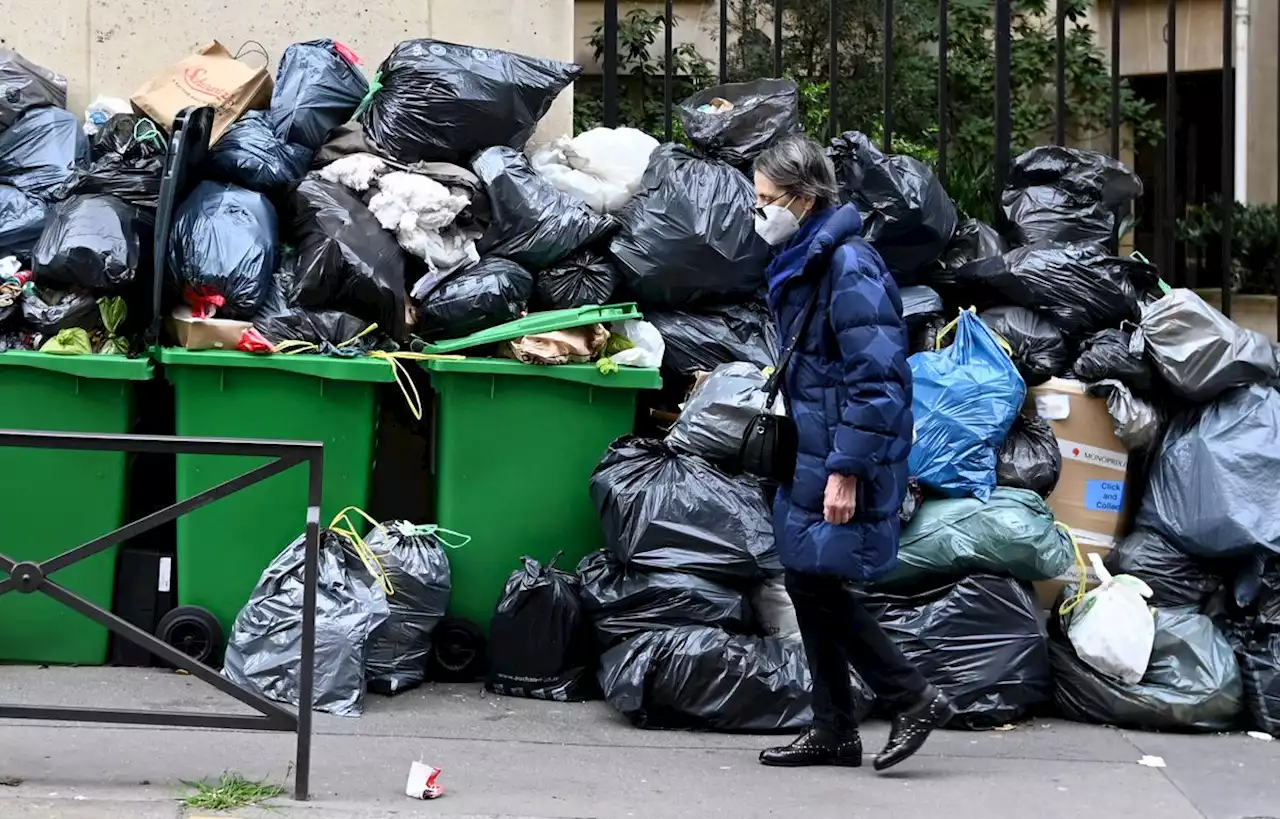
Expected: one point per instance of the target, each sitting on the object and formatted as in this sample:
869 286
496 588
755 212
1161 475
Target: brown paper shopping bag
211 76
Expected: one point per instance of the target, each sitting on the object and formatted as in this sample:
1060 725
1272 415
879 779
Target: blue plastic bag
966 398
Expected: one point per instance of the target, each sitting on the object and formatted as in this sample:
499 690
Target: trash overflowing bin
64 393
223 548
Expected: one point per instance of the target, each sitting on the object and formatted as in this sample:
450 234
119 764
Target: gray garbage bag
25 85
716 416
1137 421
702 678
416 568
1030 458
919 305
764 111
1176 578
264 652
1212 489
981 641
1199 351
1192 683
972 242
663 510
1013 533
622 603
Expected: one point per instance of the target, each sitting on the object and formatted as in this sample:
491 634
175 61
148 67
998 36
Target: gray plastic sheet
1212 489
417 569
1137 421
717 415
264 652
1199 351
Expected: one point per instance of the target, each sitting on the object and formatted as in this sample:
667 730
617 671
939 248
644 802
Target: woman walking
848 391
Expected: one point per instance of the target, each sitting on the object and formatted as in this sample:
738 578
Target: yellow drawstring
942 334
1069 606
362 550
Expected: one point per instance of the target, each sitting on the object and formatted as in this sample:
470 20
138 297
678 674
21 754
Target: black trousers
839 632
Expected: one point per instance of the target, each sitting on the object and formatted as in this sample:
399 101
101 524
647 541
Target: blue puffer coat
848 388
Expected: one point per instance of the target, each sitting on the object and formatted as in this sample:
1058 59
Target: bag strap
775 381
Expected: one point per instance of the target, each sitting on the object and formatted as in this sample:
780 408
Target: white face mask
777 225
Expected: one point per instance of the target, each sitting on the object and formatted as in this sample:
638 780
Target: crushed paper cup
422 782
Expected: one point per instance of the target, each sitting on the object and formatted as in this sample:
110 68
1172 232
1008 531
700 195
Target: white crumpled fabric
602 167
357 171
421 212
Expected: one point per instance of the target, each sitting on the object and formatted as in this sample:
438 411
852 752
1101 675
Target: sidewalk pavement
518 758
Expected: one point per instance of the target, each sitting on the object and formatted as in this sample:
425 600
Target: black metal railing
31 577
1164 245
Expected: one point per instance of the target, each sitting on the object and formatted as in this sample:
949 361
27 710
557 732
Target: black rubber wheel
193 631
457 651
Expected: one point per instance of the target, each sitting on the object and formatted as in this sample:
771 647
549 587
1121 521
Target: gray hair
799 166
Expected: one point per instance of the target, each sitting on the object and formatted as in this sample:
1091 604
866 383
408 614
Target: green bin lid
533 324
631 378
334 368
106 367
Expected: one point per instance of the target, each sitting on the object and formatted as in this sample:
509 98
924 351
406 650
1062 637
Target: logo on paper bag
197 79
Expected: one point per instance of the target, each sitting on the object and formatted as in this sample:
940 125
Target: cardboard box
205 334
1047 591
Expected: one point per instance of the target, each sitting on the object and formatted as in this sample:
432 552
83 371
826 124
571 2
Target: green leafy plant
1255 242
230 792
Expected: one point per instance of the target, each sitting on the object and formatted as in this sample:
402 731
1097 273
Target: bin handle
366 555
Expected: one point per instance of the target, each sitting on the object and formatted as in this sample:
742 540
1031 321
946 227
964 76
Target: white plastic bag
649 349
602 167
101 110
774 609
1113 629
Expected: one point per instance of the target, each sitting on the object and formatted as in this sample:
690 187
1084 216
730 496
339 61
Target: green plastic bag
1012 534
114 311
72 341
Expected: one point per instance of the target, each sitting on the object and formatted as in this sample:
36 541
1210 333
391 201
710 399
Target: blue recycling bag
965 399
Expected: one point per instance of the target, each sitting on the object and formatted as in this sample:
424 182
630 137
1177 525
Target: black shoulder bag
771 443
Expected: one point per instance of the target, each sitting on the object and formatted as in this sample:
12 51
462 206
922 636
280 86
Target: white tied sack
649 347
602 167
774 609
1113 629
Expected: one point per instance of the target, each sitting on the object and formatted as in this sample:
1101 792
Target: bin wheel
193 631
457 651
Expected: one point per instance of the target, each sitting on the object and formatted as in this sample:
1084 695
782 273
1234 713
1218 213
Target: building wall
1264 101
111 47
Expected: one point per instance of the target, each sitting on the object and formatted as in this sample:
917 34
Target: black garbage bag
532 222
490 292
981 641
346 261
663 510
438 101
413 561
763 111
1260 670
317 88
222 250
1106 355
264 651
1212 488
250 155
539 646
332 331
1030 458
688 238
702 341
583 279
1080 288
94 242
1068 195
907 215
1038 348
714 420
972 242
621 602
25 85
702 678
47 311
924 339
920 305
1177 579
127 162
42 150
21 221
1192 682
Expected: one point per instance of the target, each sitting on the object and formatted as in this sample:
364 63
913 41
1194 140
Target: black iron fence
1002 13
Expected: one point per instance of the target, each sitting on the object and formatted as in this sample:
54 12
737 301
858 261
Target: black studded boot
912 727
816 747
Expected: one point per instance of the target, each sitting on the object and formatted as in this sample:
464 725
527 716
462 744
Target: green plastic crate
515 448
223 547
59 499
